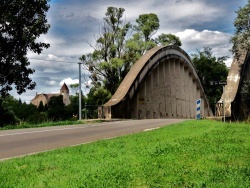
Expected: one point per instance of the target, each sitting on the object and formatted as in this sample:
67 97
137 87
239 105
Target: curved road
15 143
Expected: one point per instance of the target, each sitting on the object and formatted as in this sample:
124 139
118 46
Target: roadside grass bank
188 154
48 124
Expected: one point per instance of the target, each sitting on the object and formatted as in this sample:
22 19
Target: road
20 142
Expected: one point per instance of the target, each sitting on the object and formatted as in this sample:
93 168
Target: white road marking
151 129
61 129
46 130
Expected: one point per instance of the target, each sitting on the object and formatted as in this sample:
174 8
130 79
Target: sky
75 24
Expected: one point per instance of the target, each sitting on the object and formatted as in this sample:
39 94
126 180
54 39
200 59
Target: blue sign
198 109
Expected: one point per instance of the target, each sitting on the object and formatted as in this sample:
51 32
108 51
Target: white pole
224 103
80 93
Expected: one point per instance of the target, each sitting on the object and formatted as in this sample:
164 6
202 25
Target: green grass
189 154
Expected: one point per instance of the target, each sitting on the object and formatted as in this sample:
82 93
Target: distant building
64 91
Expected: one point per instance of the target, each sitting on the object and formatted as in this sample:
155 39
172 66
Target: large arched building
162 84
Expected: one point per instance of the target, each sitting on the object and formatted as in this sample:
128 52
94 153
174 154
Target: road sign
218 83
198 109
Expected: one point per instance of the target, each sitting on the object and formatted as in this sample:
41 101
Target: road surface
19 142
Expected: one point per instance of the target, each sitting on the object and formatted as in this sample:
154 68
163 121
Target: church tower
64 91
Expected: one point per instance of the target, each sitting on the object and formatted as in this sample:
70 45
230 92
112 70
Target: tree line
14 112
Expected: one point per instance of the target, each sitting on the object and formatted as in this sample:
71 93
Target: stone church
64 91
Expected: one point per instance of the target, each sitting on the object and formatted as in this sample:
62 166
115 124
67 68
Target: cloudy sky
76 23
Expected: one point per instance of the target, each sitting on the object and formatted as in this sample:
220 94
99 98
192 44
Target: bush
7 115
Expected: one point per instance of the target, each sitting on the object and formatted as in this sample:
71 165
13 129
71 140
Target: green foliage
36 118
72 110
56 109
241 38
168 39
27 112
210 68
21 23
120 45
74 88
188 154
97 96
148 24
135 47
14 112
7 115
107 59
41 107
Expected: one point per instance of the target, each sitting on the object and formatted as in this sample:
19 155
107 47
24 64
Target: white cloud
51 83
229 61
84 86
52 57
50 71
195 40
205 36
196 9
69 81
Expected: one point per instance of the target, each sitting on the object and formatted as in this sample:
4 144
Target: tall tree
97 96
168 39
56 108
210 68
119 46
241 39
7 115
148 24
74 88
21 23
106 63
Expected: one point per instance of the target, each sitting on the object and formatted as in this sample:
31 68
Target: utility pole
224 103
80 93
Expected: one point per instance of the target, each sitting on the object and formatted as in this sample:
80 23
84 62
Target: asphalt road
16 143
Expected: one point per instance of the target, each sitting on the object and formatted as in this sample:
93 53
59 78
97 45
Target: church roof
47 96
64 87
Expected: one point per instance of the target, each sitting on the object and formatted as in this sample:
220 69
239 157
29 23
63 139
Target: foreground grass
189 154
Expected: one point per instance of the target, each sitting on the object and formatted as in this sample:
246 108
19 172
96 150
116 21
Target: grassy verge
189 154
47 124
